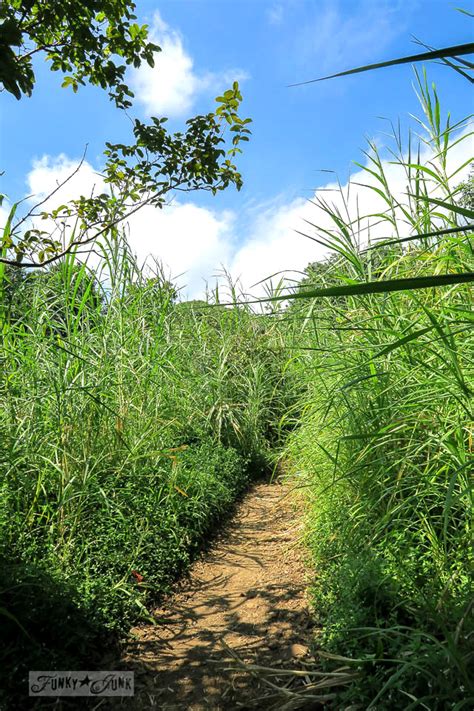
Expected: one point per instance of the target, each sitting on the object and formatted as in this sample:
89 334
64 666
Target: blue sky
266 44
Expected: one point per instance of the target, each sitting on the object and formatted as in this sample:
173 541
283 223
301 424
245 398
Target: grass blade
460 49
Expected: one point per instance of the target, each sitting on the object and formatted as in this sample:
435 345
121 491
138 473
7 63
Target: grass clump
129 423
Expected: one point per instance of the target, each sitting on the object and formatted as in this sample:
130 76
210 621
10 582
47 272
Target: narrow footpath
243 603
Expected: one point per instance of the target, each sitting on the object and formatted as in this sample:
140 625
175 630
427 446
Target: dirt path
247 592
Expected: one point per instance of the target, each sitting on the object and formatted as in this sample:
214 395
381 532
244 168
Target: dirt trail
248 592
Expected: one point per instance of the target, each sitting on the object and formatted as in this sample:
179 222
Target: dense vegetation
384 444
129 423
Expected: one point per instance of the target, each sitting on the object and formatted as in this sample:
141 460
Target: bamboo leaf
402 341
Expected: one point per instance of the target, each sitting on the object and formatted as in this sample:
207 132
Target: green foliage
160 162
384 445
467 191
129 423
67 292
83 40
143 173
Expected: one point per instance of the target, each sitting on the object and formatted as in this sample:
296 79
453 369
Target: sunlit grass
129 422
385 442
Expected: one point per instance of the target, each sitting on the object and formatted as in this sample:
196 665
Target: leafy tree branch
94 42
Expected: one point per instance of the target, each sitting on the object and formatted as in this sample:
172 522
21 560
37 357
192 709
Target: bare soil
244 598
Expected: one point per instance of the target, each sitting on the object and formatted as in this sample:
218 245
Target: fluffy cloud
194 243
172 86
191 242
275 241
55 181
273 249
66 176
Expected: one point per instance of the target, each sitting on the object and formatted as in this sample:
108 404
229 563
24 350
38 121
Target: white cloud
64 175
198 241
172 86
188 240
194 242
273 245
55 181
191 242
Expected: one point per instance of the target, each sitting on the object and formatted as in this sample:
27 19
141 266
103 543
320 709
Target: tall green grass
384 446
129 422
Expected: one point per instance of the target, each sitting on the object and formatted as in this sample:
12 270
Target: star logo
86 681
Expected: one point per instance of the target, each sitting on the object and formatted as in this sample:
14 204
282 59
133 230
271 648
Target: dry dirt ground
244 597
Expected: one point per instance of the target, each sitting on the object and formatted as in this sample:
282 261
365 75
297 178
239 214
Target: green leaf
460 49
374 287
402 341
424 235
465 12
464 211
